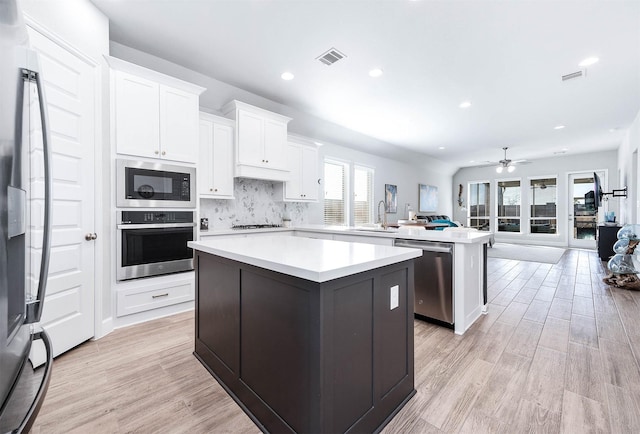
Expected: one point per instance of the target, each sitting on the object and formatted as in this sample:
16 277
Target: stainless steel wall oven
151 243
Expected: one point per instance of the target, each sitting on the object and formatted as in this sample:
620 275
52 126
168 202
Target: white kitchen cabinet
302 161
153 115
261 139
215 165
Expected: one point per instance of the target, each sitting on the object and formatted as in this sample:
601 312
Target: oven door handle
156 226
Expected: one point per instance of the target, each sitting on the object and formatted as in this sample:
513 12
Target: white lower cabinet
145 294
215 165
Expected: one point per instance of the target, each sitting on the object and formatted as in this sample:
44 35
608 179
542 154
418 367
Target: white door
68 313
583 219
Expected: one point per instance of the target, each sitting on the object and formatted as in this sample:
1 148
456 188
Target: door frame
571 242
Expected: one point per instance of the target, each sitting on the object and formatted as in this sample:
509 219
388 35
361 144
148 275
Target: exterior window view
586 215
391 216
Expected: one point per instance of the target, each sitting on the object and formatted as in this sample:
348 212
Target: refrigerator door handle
30 417
34 307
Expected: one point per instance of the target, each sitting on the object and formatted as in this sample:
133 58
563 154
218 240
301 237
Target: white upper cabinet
136 116
153 115
302 161
261 139
178 124
215 165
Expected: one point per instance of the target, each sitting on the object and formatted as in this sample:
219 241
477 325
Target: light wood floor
557 352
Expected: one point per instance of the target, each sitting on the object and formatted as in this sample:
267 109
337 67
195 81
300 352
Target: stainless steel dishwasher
433 280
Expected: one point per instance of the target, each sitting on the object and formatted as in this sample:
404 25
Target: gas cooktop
259 226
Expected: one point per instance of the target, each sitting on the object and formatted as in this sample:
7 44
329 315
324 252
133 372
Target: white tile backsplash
255 203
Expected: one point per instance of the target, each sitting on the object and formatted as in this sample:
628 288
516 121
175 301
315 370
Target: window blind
363 195
334 193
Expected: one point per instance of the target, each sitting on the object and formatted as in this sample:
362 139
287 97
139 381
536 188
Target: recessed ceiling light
472 161
465 104
375 72
558 127
613 130
441 147
287 76
589 61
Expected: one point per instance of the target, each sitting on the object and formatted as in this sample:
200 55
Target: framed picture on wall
391 198
428 199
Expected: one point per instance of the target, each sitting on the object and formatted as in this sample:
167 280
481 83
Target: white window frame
530 218
346 167
487 215
497 206
370 188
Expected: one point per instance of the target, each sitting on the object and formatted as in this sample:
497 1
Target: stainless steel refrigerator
25 222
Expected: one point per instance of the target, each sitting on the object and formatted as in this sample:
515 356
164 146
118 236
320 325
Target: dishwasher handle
424 246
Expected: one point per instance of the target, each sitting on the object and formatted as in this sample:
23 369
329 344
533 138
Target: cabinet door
205 171
293 188
275 144
250 139
136 115
222 160
178 125
309 173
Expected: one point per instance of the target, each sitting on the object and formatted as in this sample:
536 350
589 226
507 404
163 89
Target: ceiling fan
508 164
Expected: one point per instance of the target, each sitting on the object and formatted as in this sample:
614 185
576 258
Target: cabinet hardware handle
160 295
215 189
157 152
211 189
164 153
267 161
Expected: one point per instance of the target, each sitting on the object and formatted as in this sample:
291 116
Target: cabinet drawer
140 299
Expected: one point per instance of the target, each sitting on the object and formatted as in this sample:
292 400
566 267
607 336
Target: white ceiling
506 57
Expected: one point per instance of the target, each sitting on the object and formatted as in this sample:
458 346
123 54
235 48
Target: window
478 209
338 187
335 205
544 200
362 195
508 206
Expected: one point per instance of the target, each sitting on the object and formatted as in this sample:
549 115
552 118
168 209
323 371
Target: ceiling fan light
499 169
510 169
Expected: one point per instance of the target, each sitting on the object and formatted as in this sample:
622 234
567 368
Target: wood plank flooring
558 351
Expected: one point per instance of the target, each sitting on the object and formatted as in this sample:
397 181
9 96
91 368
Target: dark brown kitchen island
299 349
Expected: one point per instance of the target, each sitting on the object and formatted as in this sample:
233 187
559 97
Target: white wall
559 167
628 164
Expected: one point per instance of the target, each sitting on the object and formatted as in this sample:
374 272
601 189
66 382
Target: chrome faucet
382 220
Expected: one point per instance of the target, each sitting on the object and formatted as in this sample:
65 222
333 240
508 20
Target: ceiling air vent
330 57
577 74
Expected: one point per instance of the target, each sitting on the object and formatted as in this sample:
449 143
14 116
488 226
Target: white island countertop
306 258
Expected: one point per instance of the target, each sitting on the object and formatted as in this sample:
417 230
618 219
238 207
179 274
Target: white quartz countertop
307 258
407 232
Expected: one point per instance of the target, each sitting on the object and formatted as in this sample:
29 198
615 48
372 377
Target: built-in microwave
154 185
